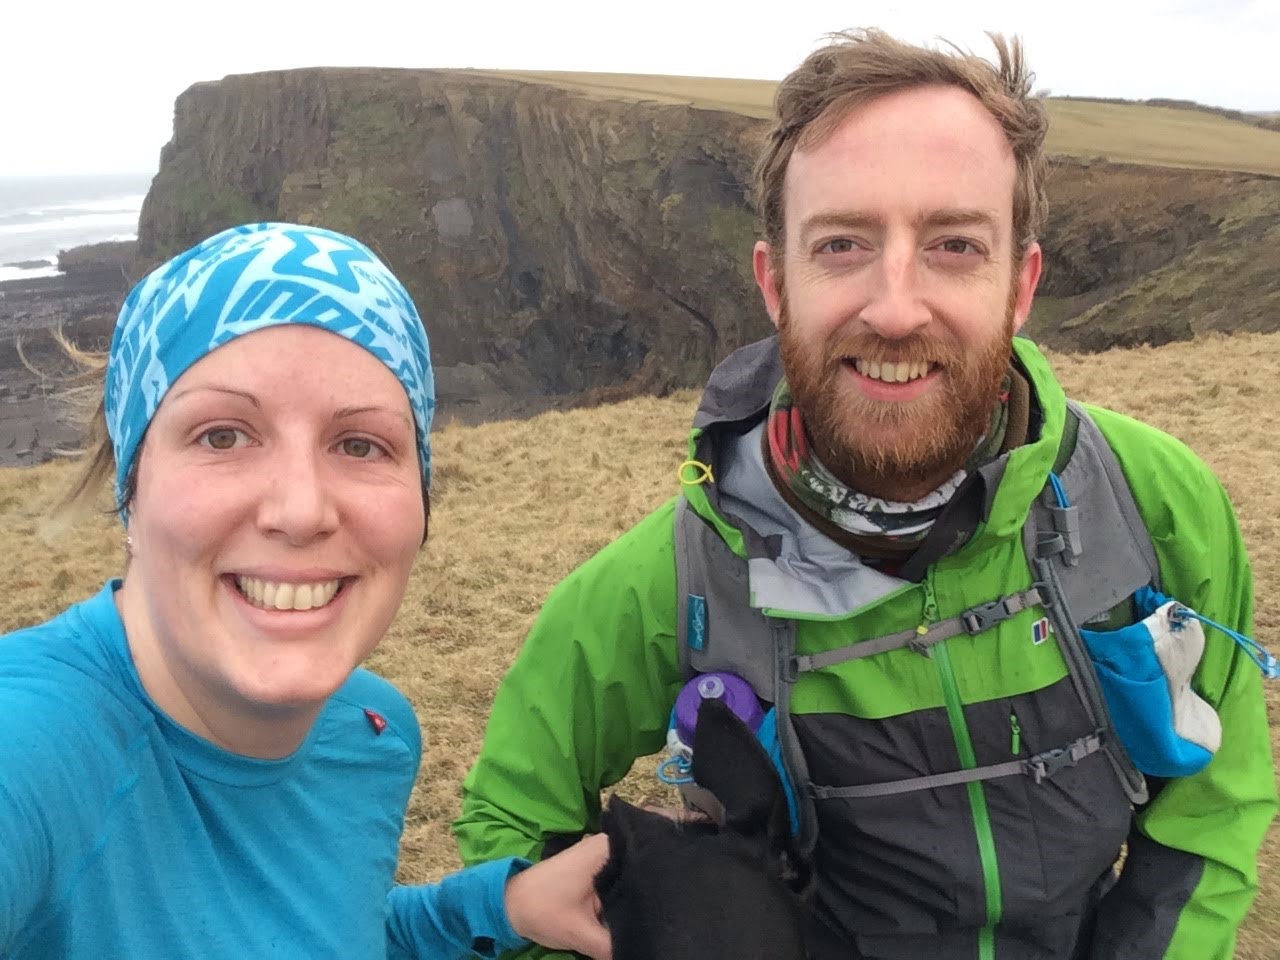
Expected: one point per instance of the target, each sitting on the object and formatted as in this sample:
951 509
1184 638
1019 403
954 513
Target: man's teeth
892 372
287 596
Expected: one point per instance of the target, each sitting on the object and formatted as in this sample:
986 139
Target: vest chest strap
1039 768
973 621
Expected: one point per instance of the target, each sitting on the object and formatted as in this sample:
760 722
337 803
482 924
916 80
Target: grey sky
88 86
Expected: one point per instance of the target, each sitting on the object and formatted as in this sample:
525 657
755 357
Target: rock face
1137 254
559 242
553 243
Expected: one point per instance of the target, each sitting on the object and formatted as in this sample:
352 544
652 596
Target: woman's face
277 516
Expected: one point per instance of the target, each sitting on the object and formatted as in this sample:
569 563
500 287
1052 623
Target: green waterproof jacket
1005 868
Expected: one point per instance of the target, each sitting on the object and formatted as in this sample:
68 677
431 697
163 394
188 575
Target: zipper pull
930 613
928 617
1015 745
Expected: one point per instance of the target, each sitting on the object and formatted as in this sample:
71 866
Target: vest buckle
987 615
1045 765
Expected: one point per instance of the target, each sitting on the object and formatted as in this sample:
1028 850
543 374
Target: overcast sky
88 87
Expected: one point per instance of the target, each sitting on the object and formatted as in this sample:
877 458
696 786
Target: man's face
897 293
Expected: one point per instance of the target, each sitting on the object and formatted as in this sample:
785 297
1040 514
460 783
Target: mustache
912 349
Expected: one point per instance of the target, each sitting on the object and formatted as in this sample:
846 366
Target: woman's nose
298 502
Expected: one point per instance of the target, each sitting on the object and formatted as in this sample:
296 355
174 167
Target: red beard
895 450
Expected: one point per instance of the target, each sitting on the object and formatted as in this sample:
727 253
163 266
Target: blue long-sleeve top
124 835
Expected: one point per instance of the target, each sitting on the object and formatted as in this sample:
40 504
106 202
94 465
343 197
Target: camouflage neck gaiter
875 526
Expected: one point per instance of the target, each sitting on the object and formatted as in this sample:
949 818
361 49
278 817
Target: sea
41 215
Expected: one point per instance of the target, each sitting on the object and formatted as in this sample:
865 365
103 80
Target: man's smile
890 371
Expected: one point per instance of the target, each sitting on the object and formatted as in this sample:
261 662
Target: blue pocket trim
767 734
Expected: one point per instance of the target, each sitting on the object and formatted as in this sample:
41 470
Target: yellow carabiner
701 475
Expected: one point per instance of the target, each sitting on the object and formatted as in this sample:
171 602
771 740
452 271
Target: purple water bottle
677 769
729 687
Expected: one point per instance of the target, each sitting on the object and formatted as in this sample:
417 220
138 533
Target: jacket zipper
1015 744
968 760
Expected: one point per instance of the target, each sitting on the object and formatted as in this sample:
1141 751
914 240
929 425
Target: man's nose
298 502
896 307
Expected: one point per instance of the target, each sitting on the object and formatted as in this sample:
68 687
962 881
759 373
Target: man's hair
860 65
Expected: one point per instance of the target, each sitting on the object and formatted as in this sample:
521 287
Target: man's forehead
928 152
925 107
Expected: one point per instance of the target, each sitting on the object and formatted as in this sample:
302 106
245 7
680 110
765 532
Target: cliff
553 243
559 241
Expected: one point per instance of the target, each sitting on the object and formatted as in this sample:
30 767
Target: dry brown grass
1121 132
519 504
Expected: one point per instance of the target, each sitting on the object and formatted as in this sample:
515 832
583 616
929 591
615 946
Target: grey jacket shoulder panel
741 385
806 572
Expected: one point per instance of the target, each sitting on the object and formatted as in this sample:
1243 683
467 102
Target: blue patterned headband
246 279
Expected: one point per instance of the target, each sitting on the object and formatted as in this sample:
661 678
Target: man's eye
955 245
840 245
359 447
222 438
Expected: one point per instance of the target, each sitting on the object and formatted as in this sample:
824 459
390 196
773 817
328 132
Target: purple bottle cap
729 687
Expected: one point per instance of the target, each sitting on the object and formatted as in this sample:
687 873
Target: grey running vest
1086 560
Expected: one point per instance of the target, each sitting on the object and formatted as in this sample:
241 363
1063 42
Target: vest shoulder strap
716 626
1090 512
1090 551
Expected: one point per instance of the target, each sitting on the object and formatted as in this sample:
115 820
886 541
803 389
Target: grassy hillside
519 504
1165 136
1120 132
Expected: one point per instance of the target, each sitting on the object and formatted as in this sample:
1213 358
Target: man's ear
729 761
1028 280
767 279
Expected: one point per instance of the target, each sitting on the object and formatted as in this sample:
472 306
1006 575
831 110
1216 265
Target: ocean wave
40 217
35 273
87 221
127 203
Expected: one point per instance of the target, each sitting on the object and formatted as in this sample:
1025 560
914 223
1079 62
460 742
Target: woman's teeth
270 595
892 372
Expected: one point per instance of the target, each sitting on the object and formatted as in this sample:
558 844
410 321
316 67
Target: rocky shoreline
34 425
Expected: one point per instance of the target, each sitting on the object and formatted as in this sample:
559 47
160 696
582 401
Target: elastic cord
1255 651
683 775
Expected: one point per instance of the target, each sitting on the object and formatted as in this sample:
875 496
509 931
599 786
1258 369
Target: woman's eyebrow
356 411
189 391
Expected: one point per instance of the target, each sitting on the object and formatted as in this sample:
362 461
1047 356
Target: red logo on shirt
375 721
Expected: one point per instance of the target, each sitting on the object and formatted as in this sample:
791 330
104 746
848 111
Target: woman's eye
223 438
360 448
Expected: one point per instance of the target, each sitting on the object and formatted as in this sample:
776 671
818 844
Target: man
879 485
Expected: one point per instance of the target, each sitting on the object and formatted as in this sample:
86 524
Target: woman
192 763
